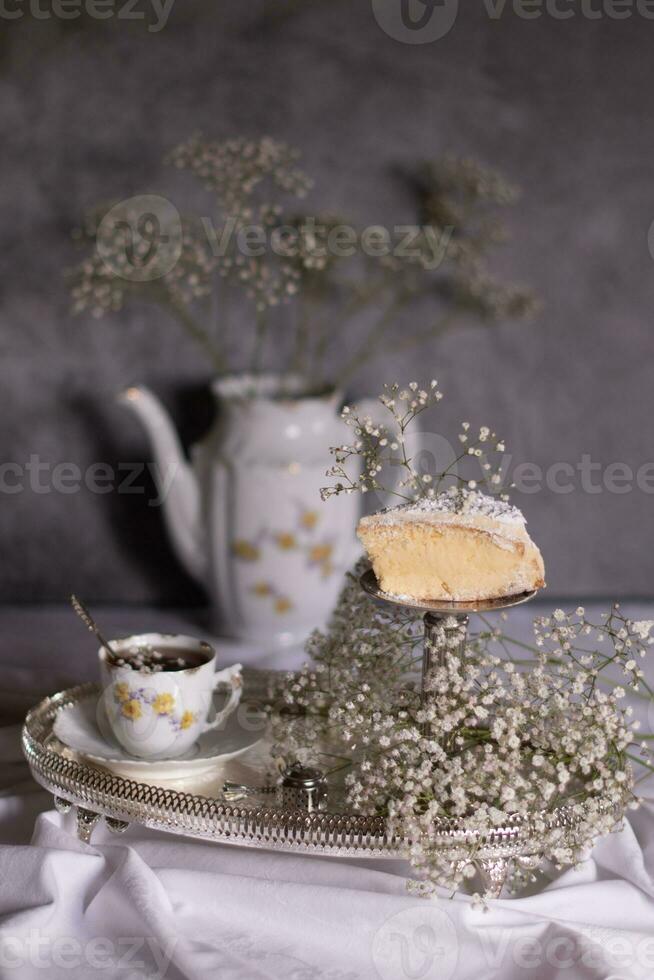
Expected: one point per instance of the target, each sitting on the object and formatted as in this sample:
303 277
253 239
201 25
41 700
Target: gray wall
563 107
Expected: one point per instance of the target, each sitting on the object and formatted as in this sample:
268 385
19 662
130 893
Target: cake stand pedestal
446 623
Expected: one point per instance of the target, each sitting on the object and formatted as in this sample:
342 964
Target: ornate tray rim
96 792
164 808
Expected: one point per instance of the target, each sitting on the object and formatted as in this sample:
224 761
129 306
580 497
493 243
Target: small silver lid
298 776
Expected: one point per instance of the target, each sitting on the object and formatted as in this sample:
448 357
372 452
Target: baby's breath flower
374 450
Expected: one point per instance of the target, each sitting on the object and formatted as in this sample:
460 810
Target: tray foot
116 826
61 805
86 821
495 872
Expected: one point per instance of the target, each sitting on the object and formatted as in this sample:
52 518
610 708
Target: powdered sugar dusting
453 502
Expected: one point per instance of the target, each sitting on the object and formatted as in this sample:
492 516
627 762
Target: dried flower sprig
103 282
441 258
237 169
118 269
498 737
247 177
448 262
382 447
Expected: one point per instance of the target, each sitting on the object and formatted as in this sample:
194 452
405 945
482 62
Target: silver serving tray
256 822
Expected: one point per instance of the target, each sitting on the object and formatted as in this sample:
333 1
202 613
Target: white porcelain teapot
245 515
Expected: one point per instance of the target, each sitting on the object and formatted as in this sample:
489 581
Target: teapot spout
176 482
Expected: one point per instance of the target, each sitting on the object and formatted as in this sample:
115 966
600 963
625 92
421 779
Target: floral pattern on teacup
133 700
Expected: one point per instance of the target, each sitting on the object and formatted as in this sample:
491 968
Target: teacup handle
230 677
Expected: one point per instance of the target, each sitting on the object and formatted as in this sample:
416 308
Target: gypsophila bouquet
501 736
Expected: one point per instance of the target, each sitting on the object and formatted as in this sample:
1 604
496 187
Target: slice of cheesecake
459 546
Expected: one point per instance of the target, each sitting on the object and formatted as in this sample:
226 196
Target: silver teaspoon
91 624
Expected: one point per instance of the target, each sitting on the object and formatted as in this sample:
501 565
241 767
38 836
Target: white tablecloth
149 904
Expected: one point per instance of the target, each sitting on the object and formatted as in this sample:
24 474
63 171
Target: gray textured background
563 107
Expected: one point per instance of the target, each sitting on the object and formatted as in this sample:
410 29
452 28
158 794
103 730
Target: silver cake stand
446 623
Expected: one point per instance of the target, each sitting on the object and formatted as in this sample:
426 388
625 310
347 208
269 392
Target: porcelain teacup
160 713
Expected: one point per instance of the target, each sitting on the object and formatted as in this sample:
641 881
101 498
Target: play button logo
415 21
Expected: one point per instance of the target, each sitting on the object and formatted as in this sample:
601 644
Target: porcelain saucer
83 728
